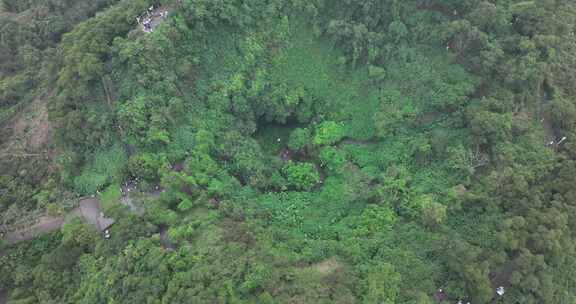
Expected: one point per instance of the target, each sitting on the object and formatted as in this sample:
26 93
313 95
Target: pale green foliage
105 167
394 110
183 141
145 165
110 197
328 133
375 220
204 141
433 213
382 285
78 232
332 158
302 176
377 73
385 106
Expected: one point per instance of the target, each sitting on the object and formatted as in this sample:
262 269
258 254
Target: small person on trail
148 19
440 296
147 26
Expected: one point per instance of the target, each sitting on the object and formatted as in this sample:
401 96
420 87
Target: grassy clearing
110 197
106 167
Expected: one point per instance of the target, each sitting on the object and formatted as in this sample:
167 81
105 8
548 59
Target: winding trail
165 240
551 135
356 142
3 296
44 224
88 210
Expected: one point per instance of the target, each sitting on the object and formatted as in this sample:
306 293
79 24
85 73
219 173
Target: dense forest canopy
289 151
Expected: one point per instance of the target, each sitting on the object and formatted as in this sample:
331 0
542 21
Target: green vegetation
355 151
110 197
299 139
302 176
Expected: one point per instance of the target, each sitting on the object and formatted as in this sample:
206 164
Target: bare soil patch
45 224
549 132
3 296
165 240
88 210
327 266
31 129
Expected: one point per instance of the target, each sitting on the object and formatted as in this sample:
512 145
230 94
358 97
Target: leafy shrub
332 158
301 176
299 138
433 213
328 133
110 197
145 165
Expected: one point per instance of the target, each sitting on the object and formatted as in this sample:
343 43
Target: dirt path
3 296
350 141
45 224
166 244
88 209
550 134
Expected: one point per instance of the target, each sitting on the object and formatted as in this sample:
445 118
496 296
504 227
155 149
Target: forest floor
327 266
34 127
127 199
30 131
503 278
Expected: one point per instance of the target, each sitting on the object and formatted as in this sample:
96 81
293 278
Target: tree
333 159
382 285
465 161
490 127
328 133
376 73
145 166
390 115
375 220
301 176
433 213
299 139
